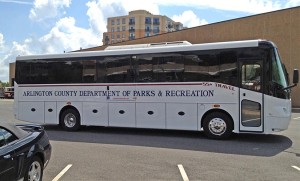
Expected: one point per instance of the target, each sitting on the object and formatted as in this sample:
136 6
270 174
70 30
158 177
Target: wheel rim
70 120
217 126
35 170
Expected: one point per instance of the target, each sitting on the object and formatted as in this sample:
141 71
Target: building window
147 34
156 21
131 29
148 28
123 20
118 21
131 36
106 40
112 29
132 21
112 36
118 36
118 29
112 22
156 29
123 28
123 35
147 20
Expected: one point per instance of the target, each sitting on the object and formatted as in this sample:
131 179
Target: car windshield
278 75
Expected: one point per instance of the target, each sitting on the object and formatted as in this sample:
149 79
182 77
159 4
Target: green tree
4 84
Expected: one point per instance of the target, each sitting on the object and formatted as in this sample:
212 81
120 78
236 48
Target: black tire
70 120
35 170
217 125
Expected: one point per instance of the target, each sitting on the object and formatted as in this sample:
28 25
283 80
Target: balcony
156 23
148 29
148 22
156 31
131 22
131 37
131 30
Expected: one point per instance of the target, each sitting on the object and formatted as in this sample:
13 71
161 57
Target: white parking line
62 172
182 172
297 168
297 118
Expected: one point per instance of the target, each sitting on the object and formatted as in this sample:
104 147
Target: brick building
137 24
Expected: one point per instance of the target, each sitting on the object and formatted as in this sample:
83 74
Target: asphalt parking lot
97 153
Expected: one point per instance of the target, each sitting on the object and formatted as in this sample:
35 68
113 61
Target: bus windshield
278 75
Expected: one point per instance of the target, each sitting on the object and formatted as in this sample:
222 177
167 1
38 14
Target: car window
2 140
8 136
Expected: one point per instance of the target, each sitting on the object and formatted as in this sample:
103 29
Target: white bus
225 87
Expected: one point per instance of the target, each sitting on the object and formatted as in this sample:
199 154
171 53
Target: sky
53 26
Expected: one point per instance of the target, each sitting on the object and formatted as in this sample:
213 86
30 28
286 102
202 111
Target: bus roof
147 48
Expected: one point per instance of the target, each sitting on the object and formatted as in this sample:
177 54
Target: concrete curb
296 110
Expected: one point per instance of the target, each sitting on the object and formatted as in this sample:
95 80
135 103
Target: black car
25 151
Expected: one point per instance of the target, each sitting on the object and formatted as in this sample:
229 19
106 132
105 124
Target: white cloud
189 19
248 6
66 36
99 11
10 56
119 6
291 3
97 16
16 2
46 9
1 41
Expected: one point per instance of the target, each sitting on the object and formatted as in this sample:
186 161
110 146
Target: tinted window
32 72
65 71
168 68
193 66
201 66
2 139
89 71
228 68
101 69
159 68
8 137
144 68
119 69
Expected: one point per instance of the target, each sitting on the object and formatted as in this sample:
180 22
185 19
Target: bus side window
88 71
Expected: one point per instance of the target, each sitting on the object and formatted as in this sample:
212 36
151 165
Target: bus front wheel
217 125
70 120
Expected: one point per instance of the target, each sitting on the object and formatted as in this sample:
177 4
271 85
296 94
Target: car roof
18 132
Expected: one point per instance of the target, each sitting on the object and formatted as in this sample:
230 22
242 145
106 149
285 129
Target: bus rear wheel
70 120
217 125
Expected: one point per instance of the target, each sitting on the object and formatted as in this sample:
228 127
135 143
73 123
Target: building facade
138 24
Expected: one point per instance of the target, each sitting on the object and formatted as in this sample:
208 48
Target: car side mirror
295 76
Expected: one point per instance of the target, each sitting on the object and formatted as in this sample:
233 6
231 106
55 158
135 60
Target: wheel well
41 156
216 110
66 108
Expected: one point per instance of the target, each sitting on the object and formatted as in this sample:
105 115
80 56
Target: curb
296 110
6 100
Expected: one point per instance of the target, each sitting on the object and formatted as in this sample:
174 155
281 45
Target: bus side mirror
296 76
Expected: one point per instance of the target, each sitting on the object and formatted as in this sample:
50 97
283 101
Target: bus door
251 97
